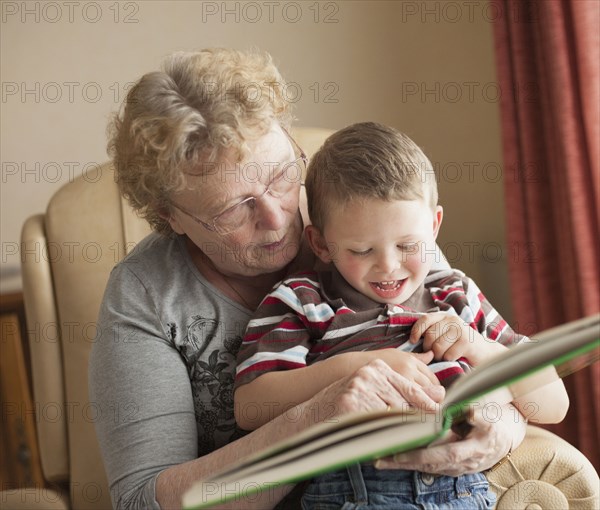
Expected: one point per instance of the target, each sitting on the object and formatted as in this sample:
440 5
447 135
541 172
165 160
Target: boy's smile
388 290
384 249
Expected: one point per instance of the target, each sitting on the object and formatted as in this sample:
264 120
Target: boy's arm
272 374
487 336
273 393
548 404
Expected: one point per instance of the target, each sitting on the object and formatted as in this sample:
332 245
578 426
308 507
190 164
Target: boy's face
383 249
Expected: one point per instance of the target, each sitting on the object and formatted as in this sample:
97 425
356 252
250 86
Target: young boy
372 198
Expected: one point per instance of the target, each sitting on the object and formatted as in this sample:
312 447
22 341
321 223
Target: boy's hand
450 338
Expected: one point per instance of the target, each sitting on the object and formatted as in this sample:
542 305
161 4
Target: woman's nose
270 214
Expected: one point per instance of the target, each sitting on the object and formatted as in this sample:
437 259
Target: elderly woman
203 151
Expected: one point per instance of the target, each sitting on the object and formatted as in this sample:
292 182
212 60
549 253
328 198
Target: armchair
68 255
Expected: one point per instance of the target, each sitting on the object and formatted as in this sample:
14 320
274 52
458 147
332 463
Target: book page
398 435
319 436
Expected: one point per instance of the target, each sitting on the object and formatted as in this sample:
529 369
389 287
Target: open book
360 437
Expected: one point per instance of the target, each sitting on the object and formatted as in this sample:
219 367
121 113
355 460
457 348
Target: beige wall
424 67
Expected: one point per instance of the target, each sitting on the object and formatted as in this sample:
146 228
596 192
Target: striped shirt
312 316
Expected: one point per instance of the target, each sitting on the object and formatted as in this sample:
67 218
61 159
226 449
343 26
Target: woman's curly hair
200 105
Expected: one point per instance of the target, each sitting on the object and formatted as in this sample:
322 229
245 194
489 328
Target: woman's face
270 238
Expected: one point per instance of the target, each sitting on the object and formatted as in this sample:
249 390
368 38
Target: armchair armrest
545 472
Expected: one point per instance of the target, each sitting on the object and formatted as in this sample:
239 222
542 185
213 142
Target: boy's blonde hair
367 160
202 104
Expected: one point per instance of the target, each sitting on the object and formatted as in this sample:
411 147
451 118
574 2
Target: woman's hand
412 366
376 386
356 381
487 442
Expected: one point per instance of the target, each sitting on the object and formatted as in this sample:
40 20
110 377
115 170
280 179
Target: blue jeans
361 486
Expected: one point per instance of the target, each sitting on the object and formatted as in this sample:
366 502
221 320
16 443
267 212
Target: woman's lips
274 246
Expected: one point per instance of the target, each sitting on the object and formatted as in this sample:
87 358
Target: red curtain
548 55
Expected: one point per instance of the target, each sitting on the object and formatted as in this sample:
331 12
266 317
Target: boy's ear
317 243
438 215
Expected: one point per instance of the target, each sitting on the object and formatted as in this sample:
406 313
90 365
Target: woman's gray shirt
162 368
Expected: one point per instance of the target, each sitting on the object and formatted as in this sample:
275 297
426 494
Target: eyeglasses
236 216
